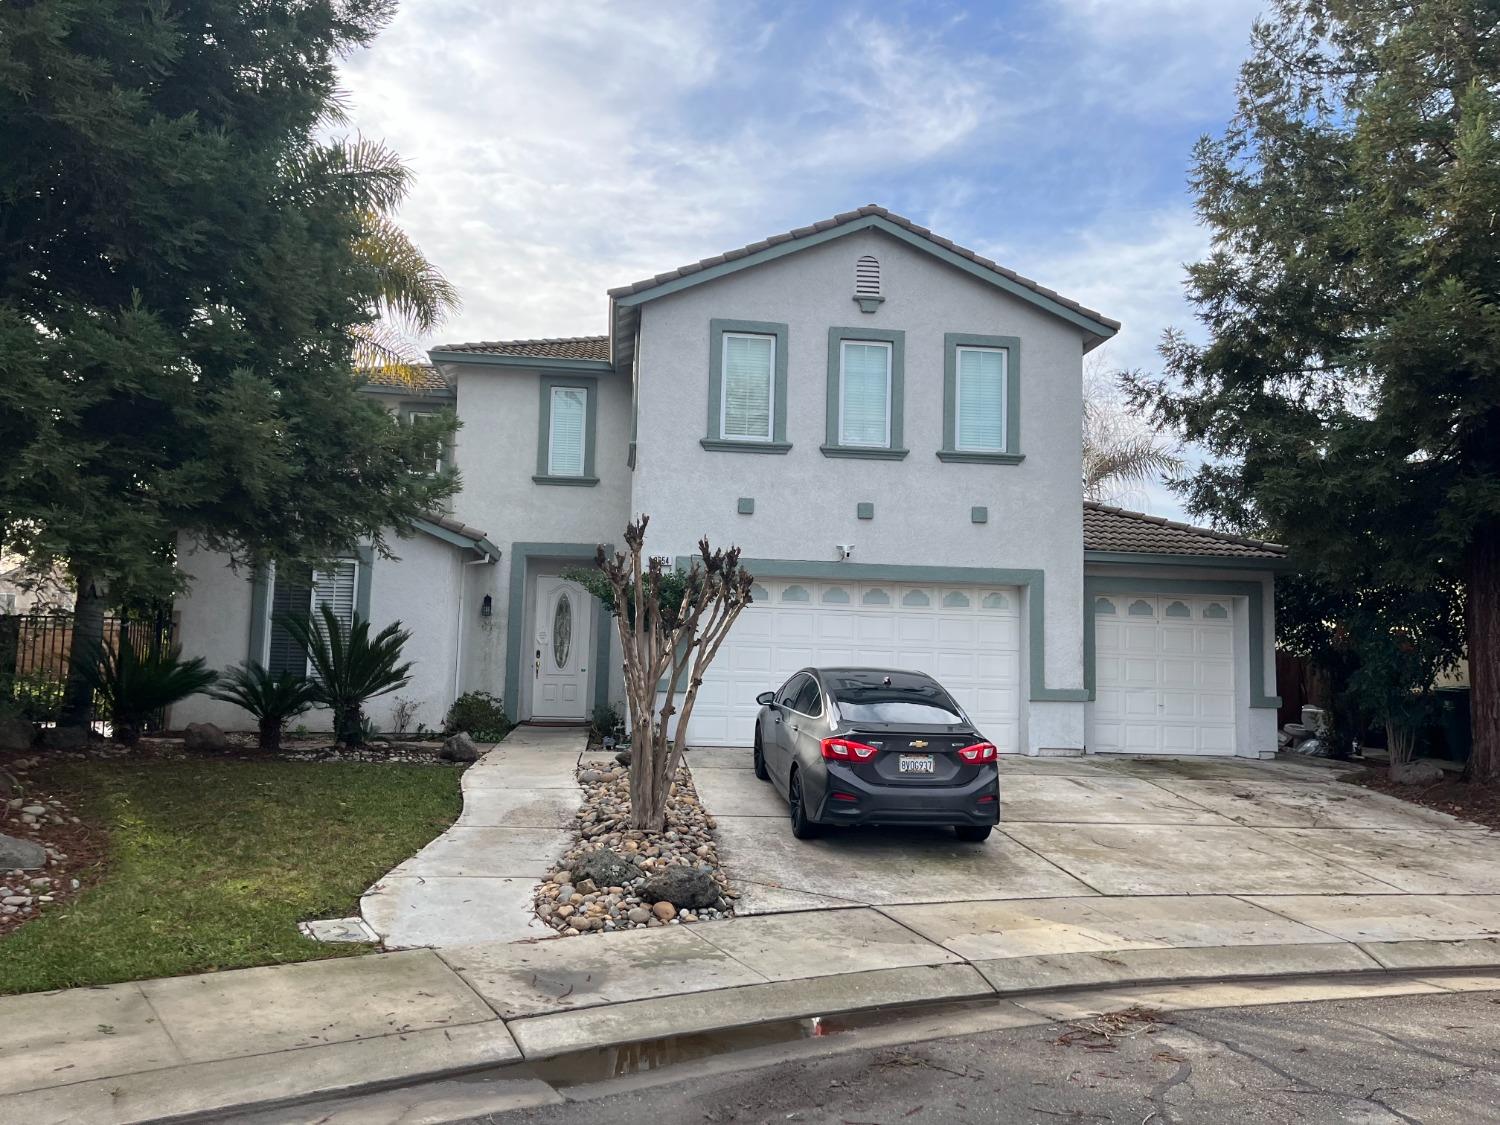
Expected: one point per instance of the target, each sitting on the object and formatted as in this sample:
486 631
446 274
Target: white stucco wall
418 588
805 502
496 454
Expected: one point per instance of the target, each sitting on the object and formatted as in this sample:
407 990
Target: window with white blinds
980 423
865 393
299 592
746 404
565 439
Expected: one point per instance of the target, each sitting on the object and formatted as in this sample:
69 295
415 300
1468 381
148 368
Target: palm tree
1121 451
350 666
411 296
272 699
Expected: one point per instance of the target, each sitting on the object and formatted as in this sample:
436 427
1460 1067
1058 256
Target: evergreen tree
189 273
1350 389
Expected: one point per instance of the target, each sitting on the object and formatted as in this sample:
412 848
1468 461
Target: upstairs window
565 441
980 425
748 391
865 394
439 460
565 436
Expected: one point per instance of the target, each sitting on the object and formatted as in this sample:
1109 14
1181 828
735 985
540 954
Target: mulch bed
243 747
1479 803
75 850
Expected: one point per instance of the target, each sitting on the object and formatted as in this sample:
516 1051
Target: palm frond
133 686
371 174
350 666
410 288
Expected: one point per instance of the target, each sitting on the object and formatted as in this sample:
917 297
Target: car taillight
847 751
979 752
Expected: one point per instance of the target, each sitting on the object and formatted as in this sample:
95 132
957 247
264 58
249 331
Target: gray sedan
875 746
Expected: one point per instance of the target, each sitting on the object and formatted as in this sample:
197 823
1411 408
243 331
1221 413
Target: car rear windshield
912 701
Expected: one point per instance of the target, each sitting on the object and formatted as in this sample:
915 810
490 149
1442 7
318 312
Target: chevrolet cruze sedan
875 746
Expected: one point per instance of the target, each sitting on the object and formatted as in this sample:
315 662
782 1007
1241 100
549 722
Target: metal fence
35 649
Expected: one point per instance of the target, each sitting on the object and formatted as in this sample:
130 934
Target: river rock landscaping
43 847
619 878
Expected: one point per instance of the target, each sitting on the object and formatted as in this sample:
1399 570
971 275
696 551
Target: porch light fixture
487 607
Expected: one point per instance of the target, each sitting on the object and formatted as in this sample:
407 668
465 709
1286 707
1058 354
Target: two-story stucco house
889 426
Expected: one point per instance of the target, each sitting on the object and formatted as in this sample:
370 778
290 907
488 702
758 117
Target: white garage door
967 637
1163 675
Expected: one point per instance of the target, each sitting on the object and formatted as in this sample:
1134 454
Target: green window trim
589 384
1011 454
714 439
894 450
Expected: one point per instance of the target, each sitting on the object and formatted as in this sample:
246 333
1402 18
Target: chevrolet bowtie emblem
919 744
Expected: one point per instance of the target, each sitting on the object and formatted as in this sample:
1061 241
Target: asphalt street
1429 1059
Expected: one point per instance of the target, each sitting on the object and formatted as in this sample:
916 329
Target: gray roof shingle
849 217
1106 528
424 378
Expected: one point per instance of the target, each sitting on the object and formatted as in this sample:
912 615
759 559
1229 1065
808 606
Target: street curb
308 1075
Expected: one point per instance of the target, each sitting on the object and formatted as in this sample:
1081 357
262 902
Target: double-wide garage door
1164 675
968 638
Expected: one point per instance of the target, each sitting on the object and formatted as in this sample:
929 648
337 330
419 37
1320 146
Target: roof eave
441 356
481 546
1149 558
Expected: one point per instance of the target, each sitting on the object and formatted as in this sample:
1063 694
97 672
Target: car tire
803 827
972 833
760 759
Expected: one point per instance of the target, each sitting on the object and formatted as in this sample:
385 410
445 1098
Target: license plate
915 763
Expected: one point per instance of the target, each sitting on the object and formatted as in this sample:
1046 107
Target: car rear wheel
760 759
972 833
803 828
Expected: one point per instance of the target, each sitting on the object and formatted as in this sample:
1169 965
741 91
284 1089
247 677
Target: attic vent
867 283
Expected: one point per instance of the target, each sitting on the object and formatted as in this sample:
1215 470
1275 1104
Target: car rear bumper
909 804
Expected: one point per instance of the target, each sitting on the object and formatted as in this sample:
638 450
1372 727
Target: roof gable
626 299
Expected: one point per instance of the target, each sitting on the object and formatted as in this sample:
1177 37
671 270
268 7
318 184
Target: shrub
37 696
606 721
480 714
133 687
351 667
273 700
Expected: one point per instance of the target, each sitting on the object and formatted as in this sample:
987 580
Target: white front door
562 645
1164 675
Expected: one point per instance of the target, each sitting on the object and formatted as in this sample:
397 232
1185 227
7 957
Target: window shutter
291 595
565 442
981 399
747 386
865 396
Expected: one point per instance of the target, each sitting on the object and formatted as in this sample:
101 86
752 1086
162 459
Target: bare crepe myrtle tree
671 626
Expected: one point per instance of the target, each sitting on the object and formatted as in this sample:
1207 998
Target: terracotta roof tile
849 217
425 378
552 347
1107 528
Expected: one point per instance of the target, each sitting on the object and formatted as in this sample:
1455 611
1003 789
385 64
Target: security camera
845 550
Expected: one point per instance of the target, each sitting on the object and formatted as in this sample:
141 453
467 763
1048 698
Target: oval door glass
562 631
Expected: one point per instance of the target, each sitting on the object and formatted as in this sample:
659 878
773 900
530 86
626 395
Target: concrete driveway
1284 835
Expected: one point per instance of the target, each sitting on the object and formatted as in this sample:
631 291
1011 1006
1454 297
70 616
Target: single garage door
1163 675
968 638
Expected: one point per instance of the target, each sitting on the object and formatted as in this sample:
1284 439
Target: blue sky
563 148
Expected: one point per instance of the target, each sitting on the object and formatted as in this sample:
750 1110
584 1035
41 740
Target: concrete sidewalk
235 1040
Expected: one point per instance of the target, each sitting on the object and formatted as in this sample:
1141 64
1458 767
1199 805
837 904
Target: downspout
458 633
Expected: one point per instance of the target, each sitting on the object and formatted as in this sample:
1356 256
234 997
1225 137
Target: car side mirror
766 698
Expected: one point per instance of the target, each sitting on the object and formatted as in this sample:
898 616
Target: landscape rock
204 738
606 868
64 738
20 854
16 733
1423 771
665 911
623 757
459 748
683 887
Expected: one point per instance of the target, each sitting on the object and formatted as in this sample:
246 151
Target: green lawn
212 864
